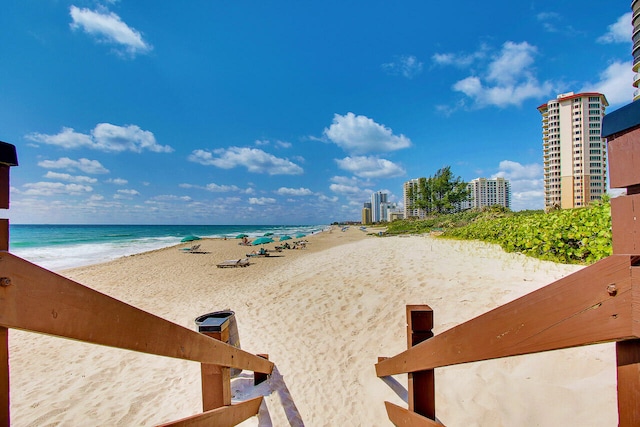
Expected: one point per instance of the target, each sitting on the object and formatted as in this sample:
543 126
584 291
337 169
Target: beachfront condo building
377 199
409 197
635 20
485 192
574 153
366 213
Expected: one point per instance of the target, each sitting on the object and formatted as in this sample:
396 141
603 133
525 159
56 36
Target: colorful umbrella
285 238
262 241
242 236
190 238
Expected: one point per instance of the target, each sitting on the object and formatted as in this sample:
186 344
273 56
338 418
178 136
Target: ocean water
57 247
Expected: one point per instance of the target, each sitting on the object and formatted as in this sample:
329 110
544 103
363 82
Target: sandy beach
323 314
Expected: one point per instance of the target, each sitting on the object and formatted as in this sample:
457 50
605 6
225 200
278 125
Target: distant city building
488 192
410 196
377 199
574 154
366 214
635 7
394 214
385 207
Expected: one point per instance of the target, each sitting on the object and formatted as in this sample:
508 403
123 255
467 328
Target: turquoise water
57 247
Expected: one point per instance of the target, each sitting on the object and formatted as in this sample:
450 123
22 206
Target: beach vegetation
440 193
569 236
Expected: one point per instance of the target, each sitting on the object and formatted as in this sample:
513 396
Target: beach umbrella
242 236
268 234
261 241
189 238
285 238
299 235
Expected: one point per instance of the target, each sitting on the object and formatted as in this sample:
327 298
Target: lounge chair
193 248
261 252
234 263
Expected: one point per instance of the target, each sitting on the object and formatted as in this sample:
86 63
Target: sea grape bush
570 236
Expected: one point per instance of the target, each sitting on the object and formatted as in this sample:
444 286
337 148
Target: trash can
222 326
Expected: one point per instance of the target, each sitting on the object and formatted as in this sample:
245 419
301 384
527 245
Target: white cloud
70 178
126 194
549 20
55 188
215 188
261 201
171 198
508 79
351 187
460 60
406 65
283 191
117 181
283 144
526 184
108 28
84 165
104 137
514 60
615 83
619 32
361 135
370 167
345 189
255 160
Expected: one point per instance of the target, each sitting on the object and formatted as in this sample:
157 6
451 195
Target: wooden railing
600 303
594 305
37 300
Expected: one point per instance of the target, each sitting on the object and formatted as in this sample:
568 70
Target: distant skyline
208 112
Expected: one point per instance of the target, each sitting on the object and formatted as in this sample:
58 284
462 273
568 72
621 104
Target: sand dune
323 314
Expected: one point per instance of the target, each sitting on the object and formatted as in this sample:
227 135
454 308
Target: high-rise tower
574 154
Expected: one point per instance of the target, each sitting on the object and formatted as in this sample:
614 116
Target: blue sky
286 112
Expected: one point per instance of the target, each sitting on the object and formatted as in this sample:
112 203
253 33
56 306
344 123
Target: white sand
324 315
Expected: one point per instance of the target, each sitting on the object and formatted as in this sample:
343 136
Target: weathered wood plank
628 372
221 417
216 386
4 186
39 300
4 234
582 308
405 418
421 385
4 377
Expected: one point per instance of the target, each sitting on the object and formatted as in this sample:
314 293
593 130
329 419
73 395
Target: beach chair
234 263
262 252
193 248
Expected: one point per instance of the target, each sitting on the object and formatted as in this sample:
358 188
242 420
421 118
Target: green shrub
570 236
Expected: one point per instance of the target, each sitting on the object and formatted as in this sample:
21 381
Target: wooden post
622 130
259 378
216 380
4 377
8 158
422 398
628 364
4 341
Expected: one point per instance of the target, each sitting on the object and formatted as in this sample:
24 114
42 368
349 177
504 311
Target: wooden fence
37 300
600 303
